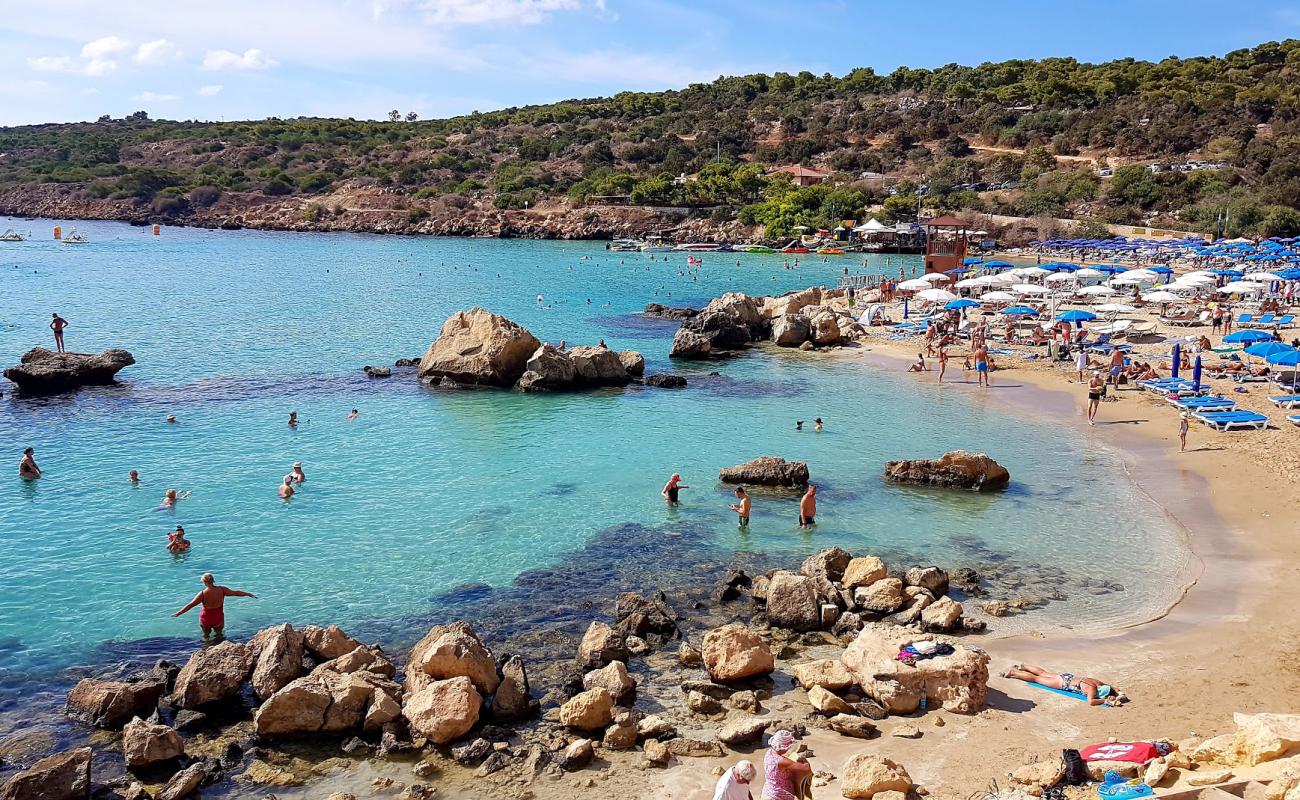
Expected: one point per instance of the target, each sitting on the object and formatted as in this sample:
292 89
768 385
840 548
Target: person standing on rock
742 508
27 468
808 507
212 618
57 325
734 783
671 489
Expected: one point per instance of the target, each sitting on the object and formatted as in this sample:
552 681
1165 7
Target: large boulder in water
690 344
145 744
598 366
212 674
633 362
548 367
957 681
478 347
112 704
792 602
790 330
42 371
955 470
767 471
65 776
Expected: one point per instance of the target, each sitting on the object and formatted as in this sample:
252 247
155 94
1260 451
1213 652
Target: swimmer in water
741 508
171 419
176 541
352 415
172 497
808 507
133 477
286 488
798 424
296 474
818 423
27 469
293 419
671 489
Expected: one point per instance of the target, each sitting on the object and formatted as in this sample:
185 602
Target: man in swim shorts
57 324
1116 365
671 489
741 508
982 365
808 507
212 618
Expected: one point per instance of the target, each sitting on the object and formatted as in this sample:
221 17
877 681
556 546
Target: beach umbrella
1265 277
1161 297
904 308
1031 272
935 277
1196 373
1061 277
1115 308
967 283
1097 290
971 261
957 305
1089 272
914 285
1176 359
1076 315
1029 288
1265 349
1246 337
958 271
1162 270
1291 359
936 295
1241 287
998 265
1020 311
998 297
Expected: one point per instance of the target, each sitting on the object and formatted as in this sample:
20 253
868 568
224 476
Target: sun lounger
1107 349
1285 401
1294 419
1285 321
1262 322
1244 319
1204 403
1156 384
1244 377
1232 420
1184 320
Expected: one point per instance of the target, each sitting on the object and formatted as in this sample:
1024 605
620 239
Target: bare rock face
863 571
145 744
328 643
599 366
279 659
825 329
600 645
112 704
669 312
512 700
477 347
449 651
932 579
734 653
633 362
362 659
65 776
444 711
958 682
613 678
790 303
885 596
866 775
791 330
689 344
212 674
955 470
548 368
42 371
767 471
943 615
827 673
829 564
329 702
184 783
588 711
792 602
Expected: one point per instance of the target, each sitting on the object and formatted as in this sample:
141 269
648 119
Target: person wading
212 618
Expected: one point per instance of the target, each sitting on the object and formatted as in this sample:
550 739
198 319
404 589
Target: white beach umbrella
1197 273
1134 278
1061 277
914 285
1029 288
967 283
1089 272
1266 277
1115 308
1031 272
1195 280
1100 291
935 277
1161 297
1002 279
998 297
1242 287
936 295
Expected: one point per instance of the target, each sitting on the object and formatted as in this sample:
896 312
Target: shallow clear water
429 490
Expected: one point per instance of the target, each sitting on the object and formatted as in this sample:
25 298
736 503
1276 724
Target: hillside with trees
1024 138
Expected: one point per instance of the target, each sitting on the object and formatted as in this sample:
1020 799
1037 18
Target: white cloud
99 67
52 64
153 97
211 90
107 46
486 12
250 59
157 53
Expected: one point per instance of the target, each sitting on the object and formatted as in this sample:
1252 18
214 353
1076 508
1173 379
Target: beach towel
1062 692
1135 752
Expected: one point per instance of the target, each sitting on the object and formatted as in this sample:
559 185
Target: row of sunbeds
1215 411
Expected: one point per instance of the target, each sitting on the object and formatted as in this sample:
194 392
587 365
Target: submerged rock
666 381
42 371
955 470
767 471
668 312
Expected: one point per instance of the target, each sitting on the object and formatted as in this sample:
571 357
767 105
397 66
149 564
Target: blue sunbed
1294 419
1265 320
1245 319
1205 403
1230 420
1285 401
1285 321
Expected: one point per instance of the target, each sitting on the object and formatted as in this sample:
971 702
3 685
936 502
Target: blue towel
1063 693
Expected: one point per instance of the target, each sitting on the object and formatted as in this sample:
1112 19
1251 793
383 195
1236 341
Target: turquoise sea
431 490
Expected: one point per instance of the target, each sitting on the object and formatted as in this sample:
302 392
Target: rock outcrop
65 776
213 673
729 322
588 711
955 470
767 471
512 700
792 602
444 711
477 347
668 312
449 651
112 704
42 372
866 775
734 653
329 642
666 381
146 744
957 682
329 702
279 651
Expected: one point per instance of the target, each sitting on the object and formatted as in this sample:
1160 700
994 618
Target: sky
69 60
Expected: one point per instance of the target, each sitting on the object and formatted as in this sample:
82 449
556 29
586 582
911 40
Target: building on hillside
945 244
803 176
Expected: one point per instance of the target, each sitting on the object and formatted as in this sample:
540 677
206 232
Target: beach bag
1076 772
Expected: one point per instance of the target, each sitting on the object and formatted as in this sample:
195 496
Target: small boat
699 247
625 246
75 238
11 235
830 251
756 248
656 244
795 247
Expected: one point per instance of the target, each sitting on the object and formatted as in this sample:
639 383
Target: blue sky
64 60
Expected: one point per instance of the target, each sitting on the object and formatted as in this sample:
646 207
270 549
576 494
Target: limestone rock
734 652
553 368
362 659
866 775
824 329
279 659
827 673
42 372
885 596
613 678
1039 776
449 651
600 645
743 730
688 655
330 702
827 703
933 579
745 701
382 710
512 700
956 470
577 755
591 710
664 381
863 571
1209 778
958 682
689 344
599 366
669 312
790 330
655 727
145 744
792 602
445 710
477 347
703 704
852 726
633 362
328 643
943 615
767 471
65 776
213 673
111 704
695 748
656 752
1265 737
829 564
184 783
621 735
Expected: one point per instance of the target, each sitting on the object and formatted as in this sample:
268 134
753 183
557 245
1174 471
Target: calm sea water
429 490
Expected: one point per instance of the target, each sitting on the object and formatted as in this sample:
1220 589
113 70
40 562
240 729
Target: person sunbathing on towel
1096 692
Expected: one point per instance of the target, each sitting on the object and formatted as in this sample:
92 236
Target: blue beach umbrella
1266 349
1020 311
957 305
1076 315
998 265
1291 359
1196 374
1246 337
1175 359
969 261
